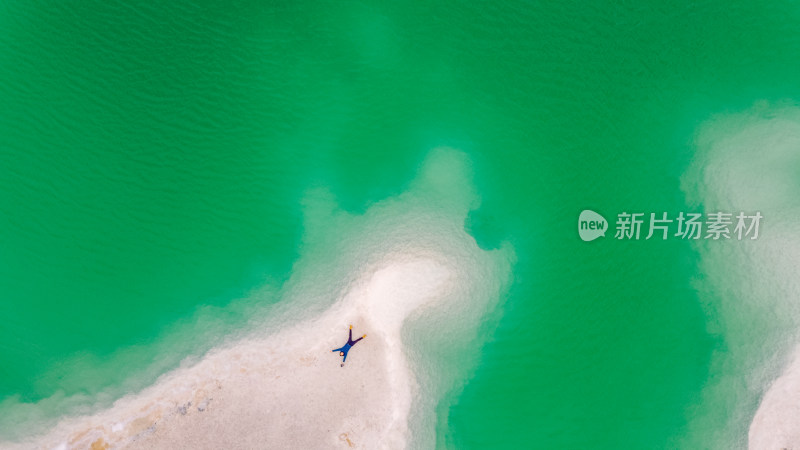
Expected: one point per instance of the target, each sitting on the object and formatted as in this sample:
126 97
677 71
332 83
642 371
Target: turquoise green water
153 159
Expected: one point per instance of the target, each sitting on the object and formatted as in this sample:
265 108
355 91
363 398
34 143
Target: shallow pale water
154 158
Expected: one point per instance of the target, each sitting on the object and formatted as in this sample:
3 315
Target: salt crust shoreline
283 391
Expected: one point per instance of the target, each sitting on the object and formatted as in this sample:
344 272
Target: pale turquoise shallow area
153 159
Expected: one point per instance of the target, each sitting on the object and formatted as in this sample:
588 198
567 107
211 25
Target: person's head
341 353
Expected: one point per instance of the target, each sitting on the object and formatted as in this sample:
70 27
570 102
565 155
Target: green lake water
153 159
